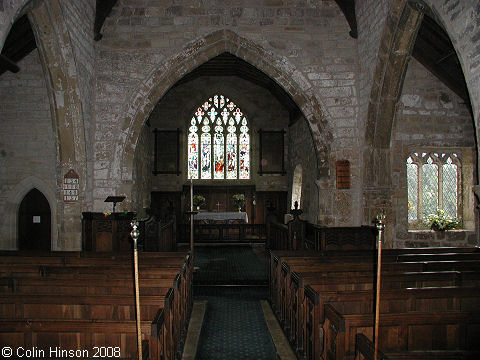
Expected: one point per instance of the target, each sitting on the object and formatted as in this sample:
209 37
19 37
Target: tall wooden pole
135 235
192 213
380 227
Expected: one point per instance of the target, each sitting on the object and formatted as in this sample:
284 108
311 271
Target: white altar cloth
222 216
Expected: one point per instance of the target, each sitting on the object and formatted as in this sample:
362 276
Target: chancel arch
194 54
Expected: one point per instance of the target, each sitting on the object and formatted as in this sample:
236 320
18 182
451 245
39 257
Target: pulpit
102 233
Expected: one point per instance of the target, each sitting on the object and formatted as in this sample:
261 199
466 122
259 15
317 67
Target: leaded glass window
433 182
228 157
412 184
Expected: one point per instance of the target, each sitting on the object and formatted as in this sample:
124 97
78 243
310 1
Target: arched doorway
34 222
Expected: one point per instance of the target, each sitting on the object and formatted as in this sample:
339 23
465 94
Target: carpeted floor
228 265
234 326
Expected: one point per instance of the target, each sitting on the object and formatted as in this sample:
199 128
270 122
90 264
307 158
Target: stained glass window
228 157
432 184
193 151
206 169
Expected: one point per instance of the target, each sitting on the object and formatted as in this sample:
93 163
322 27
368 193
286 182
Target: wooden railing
158 236
364 349
340 238
223 232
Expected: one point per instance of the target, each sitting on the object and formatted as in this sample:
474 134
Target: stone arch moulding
196 53
9 227
395 49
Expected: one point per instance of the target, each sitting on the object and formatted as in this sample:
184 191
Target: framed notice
71 185
166 152
272 157
343 174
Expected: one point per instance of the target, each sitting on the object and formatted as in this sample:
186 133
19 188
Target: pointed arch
297 186
193 55
9 227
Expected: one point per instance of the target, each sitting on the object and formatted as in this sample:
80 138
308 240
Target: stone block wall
310 41
431 116
27 143
259 106
302 152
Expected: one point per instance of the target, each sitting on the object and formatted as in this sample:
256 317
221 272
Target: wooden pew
109 279
295 307
362 301
424 331
276 259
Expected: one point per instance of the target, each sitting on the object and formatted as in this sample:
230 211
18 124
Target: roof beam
102 10
7 65
348 9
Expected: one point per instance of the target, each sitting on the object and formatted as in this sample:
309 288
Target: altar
226 216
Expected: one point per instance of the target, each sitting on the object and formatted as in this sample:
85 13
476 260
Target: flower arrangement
441 222
239 200
198 200
107 213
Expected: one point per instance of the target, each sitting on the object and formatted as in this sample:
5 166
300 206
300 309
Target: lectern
114 200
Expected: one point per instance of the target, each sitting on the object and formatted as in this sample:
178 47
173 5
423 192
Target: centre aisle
234 325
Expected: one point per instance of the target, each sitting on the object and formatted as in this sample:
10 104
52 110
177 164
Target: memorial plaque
343 174
71 186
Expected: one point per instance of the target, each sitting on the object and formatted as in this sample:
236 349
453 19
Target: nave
232 282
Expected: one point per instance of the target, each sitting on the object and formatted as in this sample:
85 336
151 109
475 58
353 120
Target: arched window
433 182
218 141
297 186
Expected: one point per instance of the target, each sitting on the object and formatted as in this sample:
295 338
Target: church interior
239 179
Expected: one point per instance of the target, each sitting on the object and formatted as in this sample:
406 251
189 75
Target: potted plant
239 201
441 222
198 201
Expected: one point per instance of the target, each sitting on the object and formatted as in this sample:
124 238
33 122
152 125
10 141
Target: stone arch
193 55
395 49
297 186
58 61
15 197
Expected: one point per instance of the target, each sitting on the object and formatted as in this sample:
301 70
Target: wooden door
34 222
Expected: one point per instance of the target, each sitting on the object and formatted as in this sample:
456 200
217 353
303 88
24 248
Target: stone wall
314 58
261 108
142 176
27 145
302 152
431 116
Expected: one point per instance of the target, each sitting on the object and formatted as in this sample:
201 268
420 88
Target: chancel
255 142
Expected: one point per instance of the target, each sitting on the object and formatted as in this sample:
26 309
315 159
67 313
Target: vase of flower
198 201
239 201
441 222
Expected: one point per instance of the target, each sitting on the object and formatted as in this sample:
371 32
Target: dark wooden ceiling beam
227 64
102 10
8 65
348 9
434 50
19 43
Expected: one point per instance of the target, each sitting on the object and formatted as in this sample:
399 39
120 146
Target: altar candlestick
191 195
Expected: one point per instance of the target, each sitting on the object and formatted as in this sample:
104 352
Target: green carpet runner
234 326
